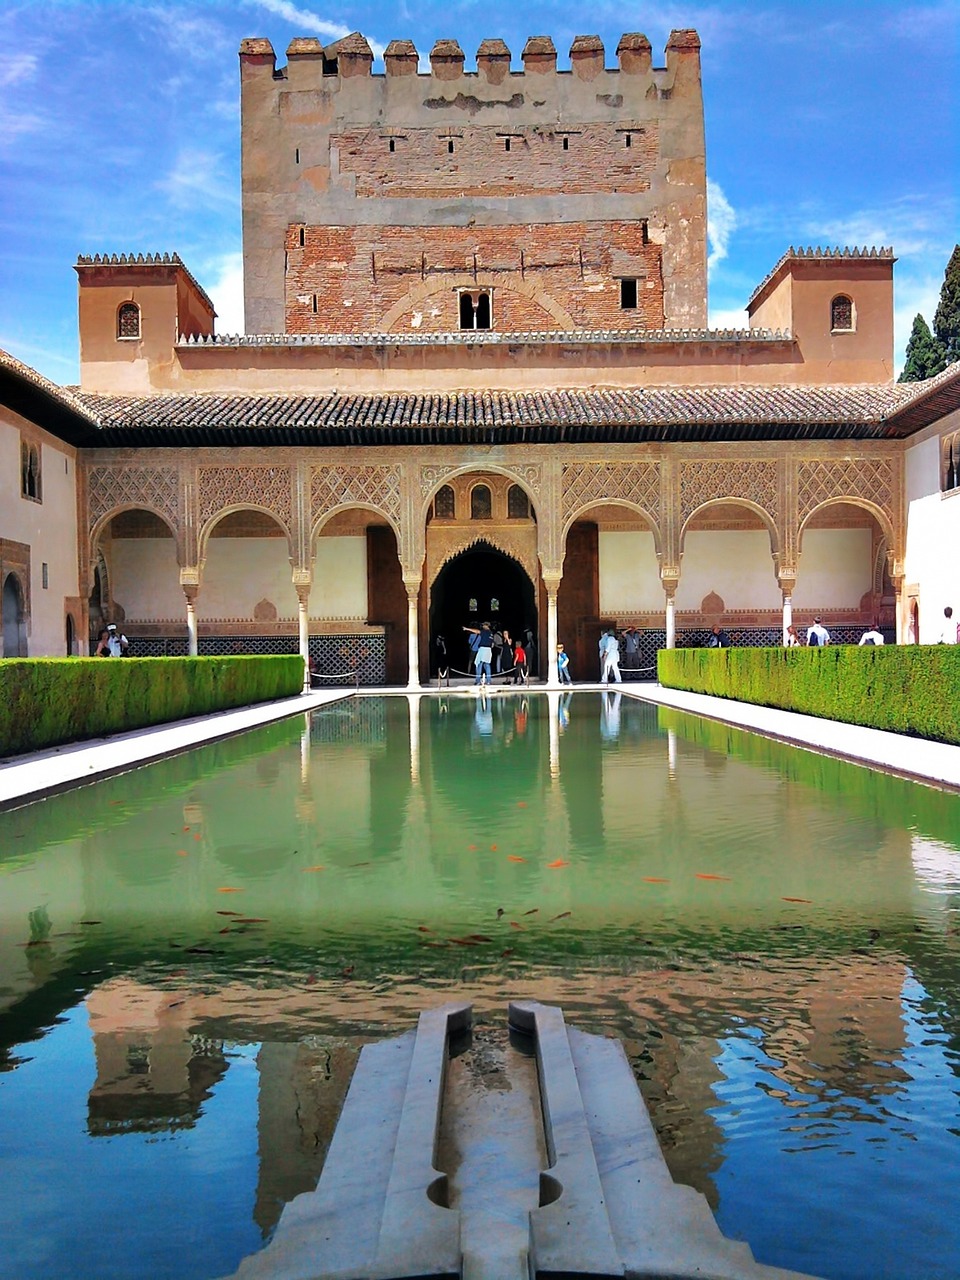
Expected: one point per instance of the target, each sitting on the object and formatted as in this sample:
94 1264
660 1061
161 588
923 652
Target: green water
192 954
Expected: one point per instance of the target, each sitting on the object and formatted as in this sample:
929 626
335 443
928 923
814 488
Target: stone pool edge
26 778
936 764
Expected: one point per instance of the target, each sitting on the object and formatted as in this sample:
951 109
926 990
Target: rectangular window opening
303 236
627 142
506 144
566 144
393 145
45 575
628 294
450 147
314 304
297 155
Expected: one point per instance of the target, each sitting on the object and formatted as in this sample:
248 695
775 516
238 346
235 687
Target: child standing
520 673
563 666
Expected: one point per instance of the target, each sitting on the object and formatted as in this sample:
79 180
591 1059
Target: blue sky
827 123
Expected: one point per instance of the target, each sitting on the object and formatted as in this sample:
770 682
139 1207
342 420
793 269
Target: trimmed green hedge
911 689
48 701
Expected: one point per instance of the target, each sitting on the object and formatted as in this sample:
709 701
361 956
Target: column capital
302 578
303 593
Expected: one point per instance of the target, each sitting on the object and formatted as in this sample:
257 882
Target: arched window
481 506
128 320
518 504
841 313
30 484
444 504
476 310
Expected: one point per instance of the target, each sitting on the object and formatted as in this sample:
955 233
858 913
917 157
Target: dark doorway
479 585
14 638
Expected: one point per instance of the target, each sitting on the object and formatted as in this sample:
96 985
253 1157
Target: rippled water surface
192 954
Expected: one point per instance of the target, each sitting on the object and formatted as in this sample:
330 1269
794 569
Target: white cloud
721 223
302 18
911 224
21 67
195 179
226 291
728 318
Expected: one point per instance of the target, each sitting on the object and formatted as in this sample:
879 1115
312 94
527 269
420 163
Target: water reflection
773 934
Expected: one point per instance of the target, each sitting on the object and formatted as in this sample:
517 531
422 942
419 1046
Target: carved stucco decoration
586 483
112 488
873 480
754 480
367 485
528 474
445 542
267 487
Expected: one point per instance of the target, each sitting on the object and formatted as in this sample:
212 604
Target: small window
841 314
393 145
45 575
628 294
314 304
951 464
450 146
30 478
518 504
627 140
566 144
506 144
472 605
444 504
128 320
475 310
481 505
296 155
494 605
303 236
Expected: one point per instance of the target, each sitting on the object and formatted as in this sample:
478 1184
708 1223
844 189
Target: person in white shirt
948 633
113 644
817 634
872 636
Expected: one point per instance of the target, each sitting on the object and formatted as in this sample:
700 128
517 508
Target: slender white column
550 670
671 621
787 613
413 635
193 646
304 627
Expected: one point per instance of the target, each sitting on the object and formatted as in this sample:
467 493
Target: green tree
925 355
946 321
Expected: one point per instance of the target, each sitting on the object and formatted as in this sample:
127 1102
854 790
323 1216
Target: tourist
505 657
530 646
563 666
873 636
631 649
113 644
481 642
609 657
497 639
520 670
443 662
718 639
817 634
791 640
948 632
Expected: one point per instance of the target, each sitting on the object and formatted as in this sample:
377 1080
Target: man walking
609 658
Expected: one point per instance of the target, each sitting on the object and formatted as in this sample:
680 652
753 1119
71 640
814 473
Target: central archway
481 584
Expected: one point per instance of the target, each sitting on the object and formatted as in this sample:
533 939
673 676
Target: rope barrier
340 675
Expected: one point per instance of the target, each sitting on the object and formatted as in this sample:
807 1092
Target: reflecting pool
192 954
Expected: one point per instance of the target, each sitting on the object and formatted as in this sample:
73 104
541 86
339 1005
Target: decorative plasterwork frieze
267 487
874 480
115 488
367 485
753 480
586 483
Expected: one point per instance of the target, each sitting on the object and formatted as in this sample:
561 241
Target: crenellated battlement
353 56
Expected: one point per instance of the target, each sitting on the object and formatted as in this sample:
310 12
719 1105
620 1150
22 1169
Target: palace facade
477 382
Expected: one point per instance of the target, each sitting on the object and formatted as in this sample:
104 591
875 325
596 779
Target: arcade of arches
361 564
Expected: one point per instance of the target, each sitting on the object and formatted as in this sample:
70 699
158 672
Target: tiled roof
35 397
820 254
502 417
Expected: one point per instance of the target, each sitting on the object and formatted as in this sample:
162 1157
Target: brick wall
407 279
499 161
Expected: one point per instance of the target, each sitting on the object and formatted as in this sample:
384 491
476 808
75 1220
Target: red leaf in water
705 875
521 804
228 913
317 868
196 835
514 925
181 853
532 912
655 880
472 848
561 916
810 900
558 862
512 857
493 848
227 888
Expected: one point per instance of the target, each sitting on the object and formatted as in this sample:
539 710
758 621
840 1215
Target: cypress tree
946 321
925 355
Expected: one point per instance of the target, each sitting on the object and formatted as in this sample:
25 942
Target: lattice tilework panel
872 479
155 488
635 482
755 479
335 486
229 646
359 720
337 657
220 487
156 647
